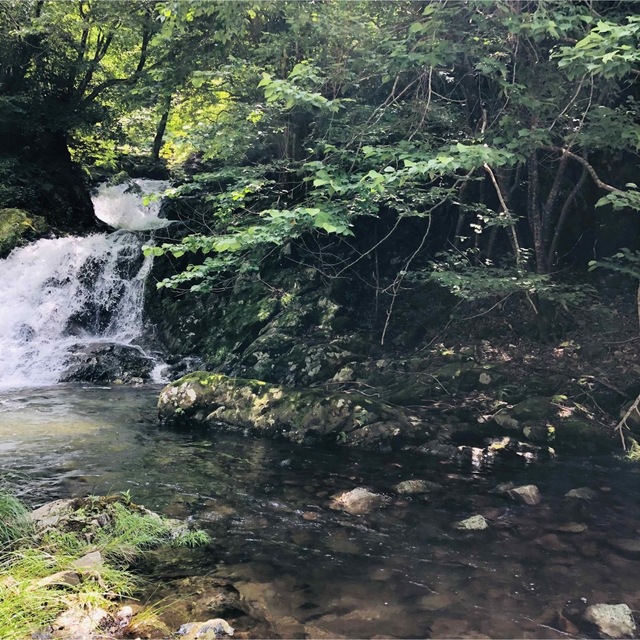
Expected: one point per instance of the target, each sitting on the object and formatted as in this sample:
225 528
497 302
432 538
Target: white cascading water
57 293
124 206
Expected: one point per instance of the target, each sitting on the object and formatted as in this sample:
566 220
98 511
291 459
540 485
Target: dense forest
491 144
398 241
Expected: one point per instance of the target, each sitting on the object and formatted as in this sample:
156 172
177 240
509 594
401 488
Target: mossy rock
535 409
17 225
301 416
582 437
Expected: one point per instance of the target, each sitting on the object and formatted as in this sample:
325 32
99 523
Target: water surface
401 571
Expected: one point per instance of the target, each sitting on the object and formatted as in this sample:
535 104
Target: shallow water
401 571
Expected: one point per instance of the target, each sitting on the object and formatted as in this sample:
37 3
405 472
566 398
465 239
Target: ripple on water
401 571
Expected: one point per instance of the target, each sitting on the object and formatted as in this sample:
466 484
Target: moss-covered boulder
301 416
17 225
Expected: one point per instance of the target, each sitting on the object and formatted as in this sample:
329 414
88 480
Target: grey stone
571 527
61 578
527 494
409 487
209 630
474 523
106 363
90 560
48 515
581 493
629 546
79 622
612 620
358 501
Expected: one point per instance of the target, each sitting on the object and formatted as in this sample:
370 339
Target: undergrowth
39 579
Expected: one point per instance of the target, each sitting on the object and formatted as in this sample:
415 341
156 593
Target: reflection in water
401 571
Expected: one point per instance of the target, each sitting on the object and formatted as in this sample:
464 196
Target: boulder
581 493
612 620
526 494
105 363
358 501
302 416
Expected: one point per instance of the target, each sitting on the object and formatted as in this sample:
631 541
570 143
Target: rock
79 622
503 487
106 363
148 626
302 416
358 501
506 421
526 494
61 578
124 614
436 601
410 487
89 561
474 523
535 408
50 514
551 542
612 620
582 493
209 630
571 527
628 546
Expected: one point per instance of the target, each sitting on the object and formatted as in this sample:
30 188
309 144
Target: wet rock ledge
303 416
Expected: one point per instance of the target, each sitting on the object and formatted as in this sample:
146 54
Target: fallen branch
623 423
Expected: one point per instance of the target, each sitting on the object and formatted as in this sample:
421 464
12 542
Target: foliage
330 132
624 261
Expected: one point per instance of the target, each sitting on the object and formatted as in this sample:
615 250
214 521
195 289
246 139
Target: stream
400 571
305 569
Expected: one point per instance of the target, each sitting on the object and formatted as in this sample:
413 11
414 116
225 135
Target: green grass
28 557
14 523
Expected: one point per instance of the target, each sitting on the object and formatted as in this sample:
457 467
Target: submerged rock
410 487
301 416
358 501
581 493
474 523
527 494
612 620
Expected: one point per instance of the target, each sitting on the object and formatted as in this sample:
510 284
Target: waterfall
60 295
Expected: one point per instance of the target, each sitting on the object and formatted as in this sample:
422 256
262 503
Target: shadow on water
399 571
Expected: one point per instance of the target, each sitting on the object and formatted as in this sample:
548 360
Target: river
399 571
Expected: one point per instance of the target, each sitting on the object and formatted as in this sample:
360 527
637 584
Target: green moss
16 224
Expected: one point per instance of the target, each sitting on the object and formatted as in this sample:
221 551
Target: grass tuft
120 530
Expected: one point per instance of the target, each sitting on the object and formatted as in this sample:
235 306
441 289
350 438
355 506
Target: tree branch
132 79
592 172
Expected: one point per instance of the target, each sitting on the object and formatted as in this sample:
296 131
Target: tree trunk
162 127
